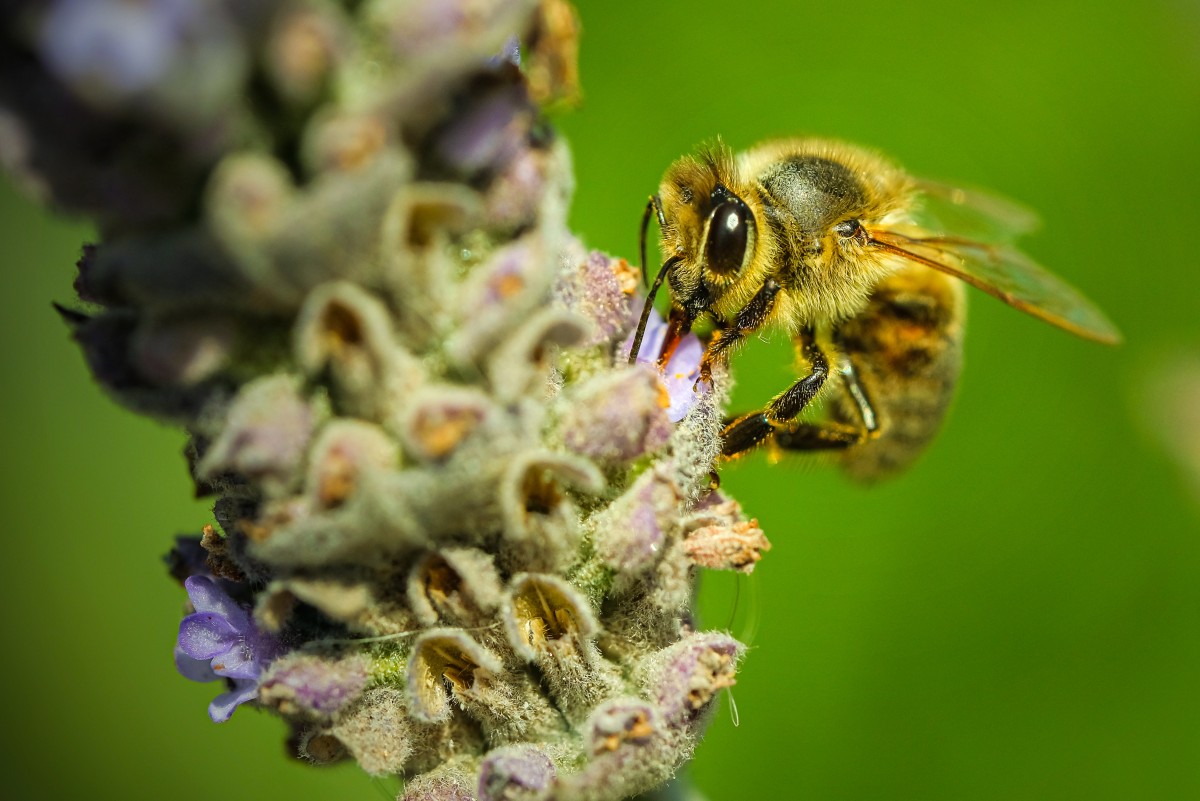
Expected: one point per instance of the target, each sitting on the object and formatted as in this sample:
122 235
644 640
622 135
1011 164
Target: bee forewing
975 213
1008 274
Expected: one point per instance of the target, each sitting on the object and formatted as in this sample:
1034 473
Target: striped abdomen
907 350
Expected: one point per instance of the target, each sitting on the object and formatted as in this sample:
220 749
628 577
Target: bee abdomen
907 350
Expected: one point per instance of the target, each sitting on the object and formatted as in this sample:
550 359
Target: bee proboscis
862 265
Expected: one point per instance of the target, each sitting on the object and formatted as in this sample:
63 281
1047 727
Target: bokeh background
1016 617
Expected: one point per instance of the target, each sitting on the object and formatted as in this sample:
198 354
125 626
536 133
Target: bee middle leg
749 430
829 435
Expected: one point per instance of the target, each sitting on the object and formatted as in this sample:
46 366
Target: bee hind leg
811 437
866 412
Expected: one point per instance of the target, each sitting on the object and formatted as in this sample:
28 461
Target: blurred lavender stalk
456 534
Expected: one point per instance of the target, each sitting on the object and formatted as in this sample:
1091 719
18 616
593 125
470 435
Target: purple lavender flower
509 54
125 46
220 640
417 425
489 134
115 49
604 290
681 370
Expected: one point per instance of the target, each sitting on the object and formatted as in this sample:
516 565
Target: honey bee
861 264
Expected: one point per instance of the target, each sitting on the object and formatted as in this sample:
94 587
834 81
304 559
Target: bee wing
1008 274
974 213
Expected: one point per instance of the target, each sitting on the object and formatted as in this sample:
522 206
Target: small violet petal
223 705
194 669
207 596
239 662
681 370
206 636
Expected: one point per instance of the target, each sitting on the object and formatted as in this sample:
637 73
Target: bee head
708 229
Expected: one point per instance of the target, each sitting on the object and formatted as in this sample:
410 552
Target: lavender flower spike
334 248
220 640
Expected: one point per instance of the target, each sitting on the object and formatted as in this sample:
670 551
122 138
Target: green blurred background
1016 617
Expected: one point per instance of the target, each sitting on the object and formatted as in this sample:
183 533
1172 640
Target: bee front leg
678 325
749 319
751 429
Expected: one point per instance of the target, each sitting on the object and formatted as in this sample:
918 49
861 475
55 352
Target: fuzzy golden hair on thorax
805 187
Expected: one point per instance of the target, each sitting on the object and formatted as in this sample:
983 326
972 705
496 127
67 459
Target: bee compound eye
727 237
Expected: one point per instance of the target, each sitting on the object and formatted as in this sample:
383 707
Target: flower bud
521 365
419 226
619 417
629 752
455 586
446 665
265 434
541 525
499 295
439 418
377 732
173 352
737 547
303 46
343 142
343 451
516 773
313 685
604 290
684 678
550 624
319 747
631 534
451 781
346 330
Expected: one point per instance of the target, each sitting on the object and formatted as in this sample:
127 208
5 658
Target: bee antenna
655 204
649 305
